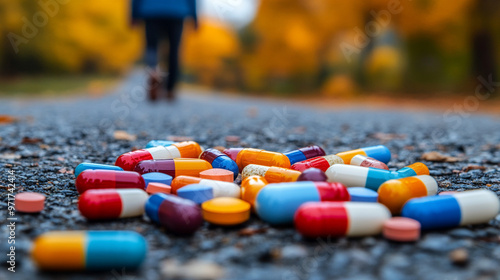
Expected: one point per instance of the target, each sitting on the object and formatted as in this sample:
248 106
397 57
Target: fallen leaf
252 112
438 157
177 138
123 135
44 147
384 137
65 171
251 231
299 130
9 156
6 119
28 140
195 269
473 167
232 138
459 256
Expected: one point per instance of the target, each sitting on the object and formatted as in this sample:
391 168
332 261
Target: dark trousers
160 29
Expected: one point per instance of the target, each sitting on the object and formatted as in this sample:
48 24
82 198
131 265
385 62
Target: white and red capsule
318 219
108 204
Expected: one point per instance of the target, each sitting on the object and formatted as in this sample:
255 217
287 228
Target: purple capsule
313 174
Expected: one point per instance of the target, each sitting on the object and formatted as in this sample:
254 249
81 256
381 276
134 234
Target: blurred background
331 48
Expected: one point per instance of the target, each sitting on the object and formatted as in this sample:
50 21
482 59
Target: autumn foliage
66 36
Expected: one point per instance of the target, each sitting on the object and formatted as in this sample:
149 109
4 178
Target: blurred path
59 134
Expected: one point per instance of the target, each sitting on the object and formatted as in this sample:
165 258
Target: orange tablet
217 174
158 188
401 229
29 202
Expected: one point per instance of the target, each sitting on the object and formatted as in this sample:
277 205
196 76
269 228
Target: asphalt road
59 134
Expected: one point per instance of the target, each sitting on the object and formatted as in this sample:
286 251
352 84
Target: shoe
154 83
170 96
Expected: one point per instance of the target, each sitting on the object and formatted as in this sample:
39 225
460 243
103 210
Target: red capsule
108 179
112 203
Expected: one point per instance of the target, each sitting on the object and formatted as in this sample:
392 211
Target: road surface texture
51 137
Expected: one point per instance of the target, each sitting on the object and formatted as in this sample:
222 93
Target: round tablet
362 194
29 202
156 177
196 192
217 174
313 174
401 229
226 211
154 187
448 192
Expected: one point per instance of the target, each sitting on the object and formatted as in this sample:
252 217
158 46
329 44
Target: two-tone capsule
220 160
379 152
108 179
460 209
272 174
174 167
395 193
220 188
188 149
320 219
112 203
89 250
357 176
322 163
94 166
250 187
277 203
177 215
304 153
261 157
364 161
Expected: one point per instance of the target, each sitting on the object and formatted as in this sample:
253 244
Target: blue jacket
163 9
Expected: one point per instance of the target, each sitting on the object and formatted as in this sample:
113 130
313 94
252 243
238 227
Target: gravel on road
51 137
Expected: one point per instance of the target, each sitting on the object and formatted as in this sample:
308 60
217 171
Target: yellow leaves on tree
78 35
210 52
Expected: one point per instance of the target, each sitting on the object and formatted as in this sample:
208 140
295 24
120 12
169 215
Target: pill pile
180 186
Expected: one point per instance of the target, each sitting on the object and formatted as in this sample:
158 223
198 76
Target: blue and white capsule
372 178
156 143
446 211
94 166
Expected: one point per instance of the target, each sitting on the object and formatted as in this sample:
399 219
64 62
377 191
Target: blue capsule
94 166
156 143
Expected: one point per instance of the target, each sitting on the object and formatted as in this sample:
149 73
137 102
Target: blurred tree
66 36
485 15
210 54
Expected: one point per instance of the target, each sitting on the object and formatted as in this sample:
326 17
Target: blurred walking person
164 19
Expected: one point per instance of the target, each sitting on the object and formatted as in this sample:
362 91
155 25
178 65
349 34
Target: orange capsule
261 157
174 167
395 193
272 174
250 187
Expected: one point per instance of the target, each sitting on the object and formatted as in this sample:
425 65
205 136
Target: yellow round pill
226 211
